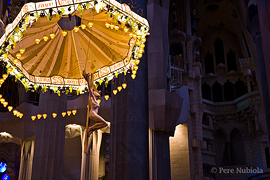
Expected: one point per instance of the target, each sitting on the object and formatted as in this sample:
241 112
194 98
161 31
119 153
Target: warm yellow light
136 67
143 40
137 62
15 61
33 118
116 28
126 29
5 56
18 55
52 35
5 76
119 88
68 113
114 91
83 26
107 25
1 95
2 100
133 76
112 26
142 46
5 103
9 69
37 40
10 108
134 36
76 29
45 38
1 81
99 101
44 116
91 24
139 36
54 115
63 114
39 116
99 6
64 33
141 50
74 112
139 55
134 71
18 114
21 115
106 96
22 50
15 112
130 34
124 85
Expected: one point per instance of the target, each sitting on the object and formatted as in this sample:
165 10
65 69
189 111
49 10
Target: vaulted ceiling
217 14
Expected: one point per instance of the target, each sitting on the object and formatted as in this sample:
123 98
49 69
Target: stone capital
164 109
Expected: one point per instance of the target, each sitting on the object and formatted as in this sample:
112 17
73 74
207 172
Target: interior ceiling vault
216 14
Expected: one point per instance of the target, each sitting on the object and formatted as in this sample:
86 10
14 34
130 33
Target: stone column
50 138
23 95
160 168
257 24
159 97
27 153
262 42
129 124
129 129
187 17
90 161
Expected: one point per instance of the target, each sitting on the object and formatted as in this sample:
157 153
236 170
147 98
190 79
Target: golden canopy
52 42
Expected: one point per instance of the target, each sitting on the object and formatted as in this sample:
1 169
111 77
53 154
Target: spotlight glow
3 167
5 177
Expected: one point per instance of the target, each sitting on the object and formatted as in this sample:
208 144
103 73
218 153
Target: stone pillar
263 42
50 138
129 124
90 161
187 17
23 95
27 153
257 24
159 97
129 129
159 155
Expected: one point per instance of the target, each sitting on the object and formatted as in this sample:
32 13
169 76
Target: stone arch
206 91
237 148
205 119
219 145
240 88
253 25
228 91
219 51
4 154
196 49
217 92
231 61
10 154
209 63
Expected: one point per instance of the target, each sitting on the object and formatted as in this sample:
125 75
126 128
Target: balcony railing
174 72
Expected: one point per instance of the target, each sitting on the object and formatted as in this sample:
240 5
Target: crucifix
92 111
